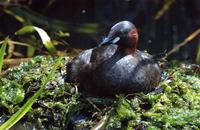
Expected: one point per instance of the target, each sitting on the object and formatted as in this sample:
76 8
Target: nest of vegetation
175 104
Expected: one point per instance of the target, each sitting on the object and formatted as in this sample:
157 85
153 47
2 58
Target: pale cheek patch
116 40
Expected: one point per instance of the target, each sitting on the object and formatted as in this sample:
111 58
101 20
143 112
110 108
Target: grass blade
164 9
198 54
27 106
25 29
46 40
30 51
2 52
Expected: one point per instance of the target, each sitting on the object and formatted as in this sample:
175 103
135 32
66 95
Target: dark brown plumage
115 66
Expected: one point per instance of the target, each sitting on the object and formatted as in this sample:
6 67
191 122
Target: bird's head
124 34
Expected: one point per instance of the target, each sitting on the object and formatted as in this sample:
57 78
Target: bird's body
113 69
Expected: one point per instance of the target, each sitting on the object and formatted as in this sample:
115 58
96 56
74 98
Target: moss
61 107
177 107
54 105
11 93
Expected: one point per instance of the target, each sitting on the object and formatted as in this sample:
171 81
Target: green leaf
87 28
2 52
27 106
30 51
46 40
62 34
26 29
17 17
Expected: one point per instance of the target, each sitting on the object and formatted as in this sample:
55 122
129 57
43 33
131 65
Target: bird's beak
109 40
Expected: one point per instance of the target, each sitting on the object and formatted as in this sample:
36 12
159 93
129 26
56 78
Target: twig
12 62
7 4
25 44
164 9
93 104
101 124
4 73
17 43
187 40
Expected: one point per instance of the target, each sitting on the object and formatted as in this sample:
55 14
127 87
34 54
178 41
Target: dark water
180 20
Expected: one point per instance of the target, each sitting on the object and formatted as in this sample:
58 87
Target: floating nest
175 104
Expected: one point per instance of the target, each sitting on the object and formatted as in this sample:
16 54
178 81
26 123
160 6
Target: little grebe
115 66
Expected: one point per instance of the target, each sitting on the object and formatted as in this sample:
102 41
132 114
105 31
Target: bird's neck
127 47
125 50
